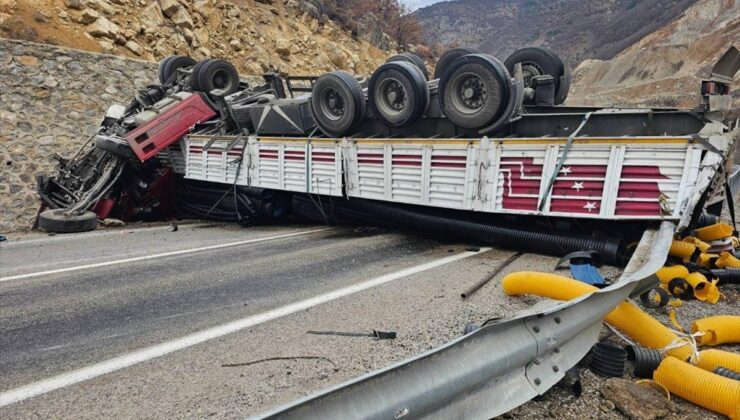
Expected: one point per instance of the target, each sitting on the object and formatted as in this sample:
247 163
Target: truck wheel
337 103
171 64
474 90
449 56
413 59
215 74
398 93
537 62
56 221
196 69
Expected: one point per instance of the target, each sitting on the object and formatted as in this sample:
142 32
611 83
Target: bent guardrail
494 369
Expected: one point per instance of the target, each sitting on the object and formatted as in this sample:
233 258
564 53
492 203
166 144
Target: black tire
562 89
196 70
449 56
475 90
215 74
413 59
337 103
541 61
398 93
56 221
171 64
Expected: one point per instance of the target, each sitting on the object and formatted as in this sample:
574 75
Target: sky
416 4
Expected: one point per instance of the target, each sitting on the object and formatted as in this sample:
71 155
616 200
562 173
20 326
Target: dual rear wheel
206 75
474 90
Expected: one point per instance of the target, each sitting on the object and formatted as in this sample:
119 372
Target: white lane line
70 378
162 255
114 231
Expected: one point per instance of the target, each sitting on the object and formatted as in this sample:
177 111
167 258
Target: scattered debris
583 266
474 288
272 359
111 222
638 402
379 335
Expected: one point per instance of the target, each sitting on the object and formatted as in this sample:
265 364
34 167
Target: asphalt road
213 320
69 302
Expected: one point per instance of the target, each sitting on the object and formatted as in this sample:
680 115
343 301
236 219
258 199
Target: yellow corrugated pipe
713 392
727 260
667 274
714 232
703 246
719 329
704 290
706 259
626 317
683 250
712 359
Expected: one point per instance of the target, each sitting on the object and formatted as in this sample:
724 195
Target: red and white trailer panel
647 178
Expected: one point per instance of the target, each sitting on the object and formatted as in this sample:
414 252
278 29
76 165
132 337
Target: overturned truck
483 149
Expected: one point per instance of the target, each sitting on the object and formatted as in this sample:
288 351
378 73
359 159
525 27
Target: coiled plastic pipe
706 389
726 260
667 274
719 329
683 250
712 359
714 232
626 317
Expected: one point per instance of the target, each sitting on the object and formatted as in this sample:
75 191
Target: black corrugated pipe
550 243
727 275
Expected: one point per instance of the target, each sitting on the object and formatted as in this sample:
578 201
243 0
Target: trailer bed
631 177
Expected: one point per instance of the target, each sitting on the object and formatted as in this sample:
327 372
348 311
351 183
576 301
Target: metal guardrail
494 369
734 180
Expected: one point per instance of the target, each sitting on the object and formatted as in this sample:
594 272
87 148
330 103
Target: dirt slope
290 35
665 67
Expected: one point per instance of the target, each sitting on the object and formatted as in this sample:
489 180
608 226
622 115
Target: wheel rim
470 93
221 80
530 70
391 97
332 104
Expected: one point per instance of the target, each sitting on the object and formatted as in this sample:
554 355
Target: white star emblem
578 186
565 171
590 206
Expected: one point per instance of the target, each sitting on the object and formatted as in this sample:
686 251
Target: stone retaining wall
51 100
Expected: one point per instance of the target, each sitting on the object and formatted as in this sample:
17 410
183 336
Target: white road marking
106 232
70 378
162 255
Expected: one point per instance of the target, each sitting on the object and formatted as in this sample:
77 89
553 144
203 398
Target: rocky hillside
577 29
665 67
290 35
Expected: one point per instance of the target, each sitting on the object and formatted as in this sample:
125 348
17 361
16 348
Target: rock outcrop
251 34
